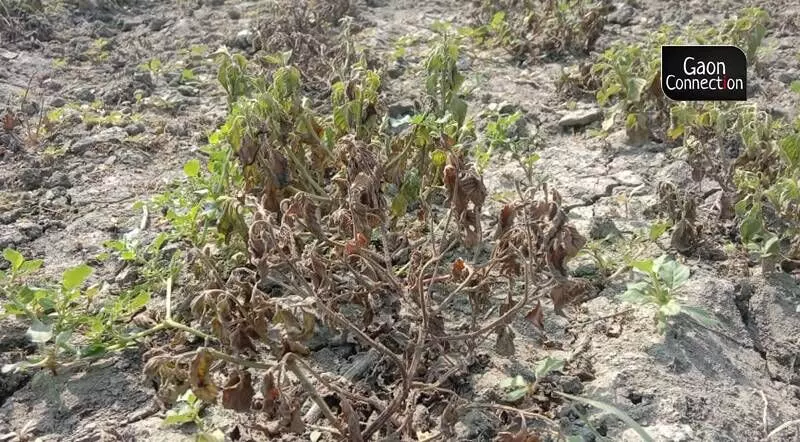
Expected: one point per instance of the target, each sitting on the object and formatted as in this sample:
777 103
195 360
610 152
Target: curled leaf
200 379
536 317
238 392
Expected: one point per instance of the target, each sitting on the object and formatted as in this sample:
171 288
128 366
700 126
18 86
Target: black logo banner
704 73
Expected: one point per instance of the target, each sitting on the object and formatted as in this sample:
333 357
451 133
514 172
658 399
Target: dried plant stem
326 411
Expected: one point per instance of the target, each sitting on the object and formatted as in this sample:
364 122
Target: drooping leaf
548 365
192 168
671 308
536 316
674 274
200 378
75 276
701 316
39 332
613 410
238 392
14 258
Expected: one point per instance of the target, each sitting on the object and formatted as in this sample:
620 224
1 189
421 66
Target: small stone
10 237
234 14
662 432
571 384
396 70
58 102
127 276
622 15
30 108
216 2
786 77
580 117
110 135
602 227
85 94
30 229
58 179
243 39
157 23
401 108
188 91
134 129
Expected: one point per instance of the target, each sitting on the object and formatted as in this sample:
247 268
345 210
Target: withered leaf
564 292
523 435
271 395
200 379
238 392
353 422
448 420
683 237
290 417
536 316
8 122
505 342
458 270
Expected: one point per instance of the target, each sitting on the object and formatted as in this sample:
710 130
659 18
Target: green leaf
547 365
644 266
139 301
180 417
795 86
658 262
438 158
515 395
637 293
635 88
31 266
211 436
192 168
459 109
399 205
14 257
513 382
75 276
608 408
656 230
674 274
39 332
701 316
671 308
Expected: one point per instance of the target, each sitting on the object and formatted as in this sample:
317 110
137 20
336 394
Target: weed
662 279
504 134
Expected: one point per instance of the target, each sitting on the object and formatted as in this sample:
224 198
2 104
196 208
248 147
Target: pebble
58 102
30 229
134 129
580 117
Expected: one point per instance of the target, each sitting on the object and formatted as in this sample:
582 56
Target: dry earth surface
62 197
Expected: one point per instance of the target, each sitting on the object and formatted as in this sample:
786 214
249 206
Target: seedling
663 277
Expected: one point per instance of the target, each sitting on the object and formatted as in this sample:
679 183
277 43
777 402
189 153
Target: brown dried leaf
238 392
271 395
457 270
505 342
200 379
683 237
353 422
564 292
536 316
448 420
8 122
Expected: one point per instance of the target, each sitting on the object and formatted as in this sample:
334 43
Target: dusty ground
692 384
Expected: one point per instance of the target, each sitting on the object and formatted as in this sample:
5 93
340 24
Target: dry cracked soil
63 196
